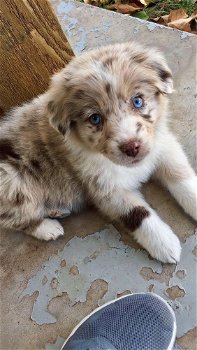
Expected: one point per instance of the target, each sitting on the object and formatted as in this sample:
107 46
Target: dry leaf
162 20
180 20
125 8
175 15
177 19
92 2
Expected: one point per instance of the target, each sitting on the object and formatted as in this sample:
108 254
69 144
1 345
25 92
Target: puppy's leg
22 208
148 229
46 229
177 175
29 219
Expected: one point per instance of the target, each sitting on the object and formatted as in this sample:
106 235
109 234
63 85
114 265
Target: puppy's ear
56 107
158 63
57 117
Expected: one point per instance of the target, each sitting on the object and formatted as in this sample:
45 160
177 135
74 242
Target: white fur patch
185 193
158 239
48 230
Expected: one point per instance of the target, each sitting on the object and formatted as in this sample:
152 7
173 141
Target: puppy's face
113 101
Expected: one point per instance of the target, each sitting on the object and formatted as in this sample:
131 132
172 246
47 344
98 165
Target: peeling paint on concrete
181 274
151 26
175 292
57 345
194 251
185 35
71 29
98 257
135 30
63 9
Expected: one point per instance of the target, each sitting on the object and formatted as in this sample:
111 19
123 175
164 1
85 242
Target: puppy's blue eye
137 102
95 119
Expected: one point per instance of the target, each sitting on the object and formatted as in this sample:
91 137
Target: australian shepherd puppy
97 133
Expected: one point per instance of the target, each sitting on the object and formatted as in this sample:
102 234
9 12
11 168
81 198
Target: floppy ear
56 107
57 117
158 63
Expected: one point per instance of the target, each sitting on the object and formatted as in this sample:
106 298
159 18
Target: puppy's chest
108 176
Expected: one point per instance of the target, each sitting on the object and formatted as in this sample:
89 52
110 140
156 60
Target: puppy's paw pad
49 230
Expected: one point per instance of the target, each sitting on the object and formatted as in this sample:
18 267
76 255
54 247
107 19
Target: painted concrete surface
103 256
47 288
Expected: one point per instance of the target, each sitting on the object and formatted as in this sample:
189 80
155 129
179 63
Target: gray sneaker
142 321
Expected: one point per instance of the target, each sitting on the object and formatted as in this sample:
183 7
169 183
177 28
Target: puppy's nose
131 148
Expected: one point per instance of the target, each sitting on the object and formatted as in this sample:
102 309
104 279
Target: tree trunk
33 46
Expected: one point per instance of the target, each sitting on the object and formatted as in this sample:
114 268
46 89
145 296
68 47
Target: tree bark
32 47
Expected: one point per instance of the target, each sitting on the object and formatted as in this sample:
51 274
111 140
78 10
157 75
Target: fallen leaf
162 20
141 15
125 8
177 19
175 15
95 2
181 20
92 2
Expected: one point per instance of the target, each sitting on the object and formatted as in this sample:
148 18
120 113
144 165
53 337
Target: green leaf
141 15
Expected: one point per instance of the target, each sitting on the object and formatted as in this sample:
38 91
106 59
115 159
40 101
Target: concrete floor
47 288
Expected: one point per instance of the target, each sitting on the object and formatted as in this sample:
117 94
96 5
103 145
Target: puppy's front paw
48 230
159 240
167 248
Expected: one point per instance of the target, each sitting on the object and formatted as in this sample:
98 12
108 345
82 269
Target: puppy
97 133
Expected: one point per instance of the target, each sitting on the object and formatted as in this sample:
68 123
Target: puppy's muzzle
131 148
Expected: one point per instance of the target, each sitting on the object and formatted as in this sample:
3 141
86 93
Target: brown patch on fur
141 57
91 139
79 95
73 124
139 126
108 88
7 151
163 74
57 120
41 148
108 61
20 198
146 116
135 217
6 216
62 129
35 164
51 106
120 97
